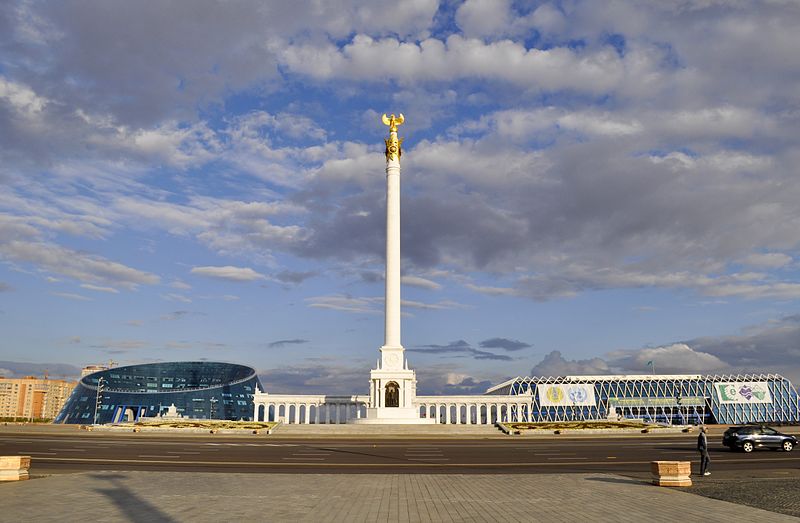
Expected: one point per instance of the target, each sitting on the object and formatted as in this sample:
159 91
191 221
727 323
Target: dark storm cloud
294 277
174 316
554 364
504 343
327 377
462 348
151 62
484 194
314 377
466 386
435 384
284 343
371 276
346 227
570 226
771 346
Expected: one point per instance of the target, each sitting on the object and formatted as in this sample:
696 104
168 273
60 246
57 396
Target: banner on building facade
566 395
682 401
744 392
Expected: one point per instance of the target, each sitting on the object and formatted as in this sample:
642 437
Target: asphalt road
56 452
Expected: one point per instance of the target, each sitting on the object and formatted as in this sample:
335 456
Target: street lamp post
213 402
98 398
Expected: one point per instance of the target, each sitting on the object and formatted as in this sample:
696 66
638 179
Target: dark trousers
704 461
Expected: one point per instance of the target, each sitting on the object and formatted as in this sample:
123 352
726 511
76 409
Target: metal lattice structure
671 399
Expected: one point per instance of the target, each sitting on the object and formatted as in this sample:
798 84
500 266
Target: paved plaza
176 496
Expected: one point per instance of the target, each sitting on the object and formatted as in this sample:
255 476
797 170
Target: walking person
702 447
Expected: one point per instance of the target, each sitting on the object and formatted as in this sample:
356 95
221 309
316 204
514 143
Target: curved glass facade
198 389
672 399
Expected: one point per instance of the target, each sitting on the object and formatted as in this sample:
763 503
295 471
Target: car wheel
788 446
747 446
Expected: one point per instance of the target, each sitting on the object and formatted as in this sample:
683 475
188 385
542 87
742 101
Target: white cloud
767 260
99 288
360 305
491 291
662 153
366 58
554 364
483 17
548 19
71 296
675 358
228 226
418 281
21 98
446 304
176 297
229 273
80 266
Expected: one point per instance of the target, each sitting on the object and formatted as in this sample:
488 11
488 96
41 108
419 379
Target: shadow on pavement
132 506
624 481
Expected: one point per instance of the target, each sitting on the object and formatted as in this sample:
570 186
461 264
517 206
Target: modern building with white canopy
673 399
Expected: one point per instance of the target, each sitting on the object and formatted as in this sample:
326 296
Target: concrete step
440 430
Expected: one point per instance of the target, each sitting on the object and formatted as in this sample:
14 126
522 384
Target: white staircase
401 431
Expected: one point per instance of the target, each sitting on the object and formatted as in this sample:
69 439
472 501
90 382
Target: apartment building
33 398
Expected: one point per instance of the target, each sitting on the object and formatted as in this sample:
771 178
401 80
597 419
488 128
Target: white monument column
394 385
392 305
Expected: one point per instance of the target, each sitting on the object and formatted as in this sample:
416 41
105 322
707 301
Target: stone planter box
14 468
671 473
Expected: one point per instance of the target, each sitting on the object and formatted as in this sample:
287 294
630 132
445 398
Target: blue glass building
673 399
198 389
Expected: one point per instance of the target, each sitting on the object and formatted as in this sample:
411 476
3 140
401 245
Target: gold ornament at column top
393 150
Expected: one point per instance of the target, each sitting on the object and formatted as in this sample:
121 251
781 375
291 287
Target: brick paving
775 494
197 497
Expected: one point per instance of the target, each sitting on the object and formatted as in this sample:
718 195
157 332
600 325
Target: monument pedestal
390 416
393 389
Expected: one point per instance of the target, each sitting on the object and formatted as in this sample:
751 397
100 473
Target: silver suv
751 437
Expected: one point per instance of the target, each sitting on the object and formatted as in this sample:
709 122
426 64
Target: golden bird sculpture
393 121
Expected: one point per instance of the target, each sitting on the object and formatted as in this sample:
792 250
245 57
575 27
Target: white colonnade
474 410
322 409
307 408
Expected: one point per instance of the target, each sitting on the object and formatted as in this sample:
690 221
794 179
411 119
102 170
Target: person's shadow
132 506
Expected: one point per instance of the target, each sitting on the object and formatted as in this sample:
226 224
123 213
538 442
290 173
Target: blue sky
587 186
